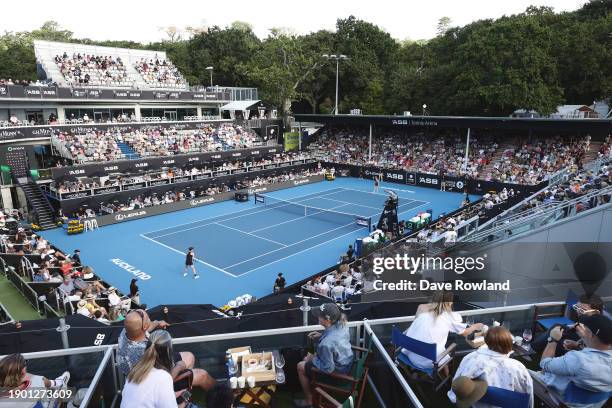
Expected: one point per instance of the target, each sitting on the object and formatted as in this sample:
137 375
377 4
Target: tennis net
336 217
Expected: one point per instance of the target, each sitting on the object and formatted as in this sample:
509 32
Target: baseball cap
600 326
329 311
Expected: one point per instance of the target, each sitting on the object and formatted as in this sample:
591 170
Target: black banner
38 92
130 166
161 182
76 194
458 184
199 201
106 190
134 186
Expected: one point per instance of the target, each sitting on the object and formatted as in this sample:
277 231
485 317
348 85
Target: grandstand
80 65
134 201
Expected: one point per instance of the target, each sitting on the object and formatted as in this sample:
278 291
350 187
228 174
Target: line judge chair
434 375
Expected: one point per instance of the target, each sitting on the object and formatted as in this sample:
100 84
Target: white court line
253 235
299 252
182 253
295 243
298 218
248 212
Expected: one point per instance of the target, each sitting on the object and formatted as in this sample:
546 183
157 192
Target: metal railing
539 218
516 316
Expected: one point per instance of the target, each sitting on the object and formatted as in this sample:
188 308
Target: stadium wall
195 202
457 184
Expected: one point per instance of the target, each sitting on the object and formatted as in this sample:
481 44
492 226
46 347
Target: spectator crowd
159 73
98 145
521 160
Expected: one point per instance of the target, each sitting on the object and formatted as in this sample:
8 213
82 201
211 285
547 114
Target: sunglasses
582 310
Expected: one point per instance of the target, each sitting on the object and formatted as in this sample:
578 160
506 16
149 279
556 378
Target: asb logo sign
394 176
428 180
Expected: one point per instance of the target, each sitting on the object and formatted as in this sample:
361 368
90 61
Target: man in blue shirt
589 368
334 353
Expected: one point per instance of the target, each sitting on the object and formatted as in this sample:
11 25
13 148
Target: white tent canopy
239 105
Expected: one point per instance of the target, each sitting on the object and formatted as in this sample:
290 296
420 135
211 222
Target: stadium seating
108 146
81 65
519 160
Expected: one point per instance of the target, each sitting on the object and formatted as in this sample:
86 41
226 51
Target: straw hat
90 297
81 304
468 391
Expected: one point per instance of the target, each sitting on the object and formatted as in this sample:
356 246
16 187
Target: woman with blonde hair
15 378
149 383
433 322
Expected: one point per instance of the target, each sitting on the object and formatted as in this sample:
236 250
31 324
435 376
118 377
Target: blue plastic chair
505 398
549 322
427 350
576 395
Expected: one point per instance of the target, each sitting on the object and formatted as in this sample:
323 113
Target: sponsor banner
4 93
93 93
50 93
155 183
134 94
221 173
128 166
134 186
197 202
107 190
181 179
121 94
410 178
32 92
202 176
396 176
255 168
427 180
75 194
270 166
292 140
238 171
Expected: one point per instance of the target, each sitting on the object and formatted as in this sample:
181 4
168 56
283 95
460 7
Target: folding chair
434 374
327 401
505 398
549 319
345 385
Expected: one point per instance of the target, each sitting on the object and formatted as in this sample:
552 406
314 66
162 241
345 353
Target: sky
142 20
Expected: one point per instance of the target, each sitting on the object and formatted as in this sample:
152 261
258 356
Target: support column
61 114
467 149
300 136
137 111
199 111
370 145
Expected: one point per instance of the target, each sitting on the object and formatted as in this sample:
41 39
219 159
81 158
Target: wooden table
261 388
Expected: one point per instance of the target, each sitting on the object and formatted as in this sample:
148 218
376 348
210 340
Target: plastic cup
251 381
241 382
233 383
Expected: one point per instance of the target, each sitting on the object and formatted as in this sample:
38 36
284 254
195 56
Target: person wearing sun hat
493 365
468 391
82 308
333 354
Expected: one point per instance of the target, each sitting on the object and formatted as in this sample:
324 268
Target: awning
239 105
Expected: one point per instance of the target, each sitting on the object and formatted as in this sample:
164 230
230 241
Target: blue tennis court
240 247
268 233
